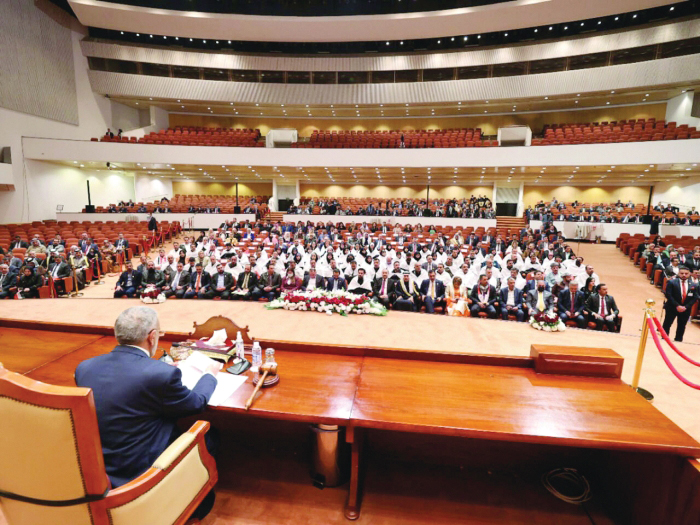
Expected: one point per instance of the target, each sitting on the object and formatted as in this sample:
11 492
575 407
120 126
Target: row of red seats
397 144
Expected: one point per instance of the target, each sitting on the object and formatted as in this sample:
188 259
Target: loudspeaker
90 208
236 209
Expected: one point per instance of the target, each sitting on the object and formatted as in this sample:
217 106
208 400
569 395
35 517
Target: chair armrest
171 489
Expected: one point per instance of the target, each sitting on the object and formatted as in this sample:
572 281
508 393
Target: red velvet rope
665 357
668 340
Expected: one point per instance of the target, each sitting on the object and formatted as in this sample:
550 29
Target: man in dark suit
247 281
602 309
8 282
383 287
312 281
178 283
405 296
152 276
152 223
199 282
432 293
681 294
539 300
511 301
59 270
129 281
572 305
121 244
484 298
269 284
337 282
139 399
18 243
221 283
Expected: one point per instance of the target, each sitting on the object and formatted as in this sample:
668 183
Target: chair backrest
49 450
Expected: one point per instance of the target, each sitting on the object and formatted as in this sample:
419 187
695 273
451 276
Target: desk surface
512 404
506 403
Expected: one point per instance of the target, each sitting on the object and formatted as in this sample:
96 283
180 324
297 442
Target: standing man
681 294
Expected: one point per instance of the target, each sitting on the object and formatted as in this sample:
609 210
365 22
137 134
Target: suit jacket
342 284
531 301
20 244
319 282
184 280
252 280
275 281
157 279
493 296
136 279
228 280
439 289
63 270
593 304
121 243
152 224
565 301
503 296
138 400
674 296
8 281
206 280
388 289
669 271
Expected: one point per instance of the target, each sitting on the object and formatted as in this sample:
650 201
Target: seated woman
589 289
457 299
290 283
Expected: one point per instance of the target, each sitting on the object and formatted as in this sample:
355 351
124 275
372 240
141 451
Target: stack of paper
193 369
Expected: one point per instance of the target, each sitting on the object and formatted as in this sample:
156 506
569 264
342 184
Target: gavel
268 368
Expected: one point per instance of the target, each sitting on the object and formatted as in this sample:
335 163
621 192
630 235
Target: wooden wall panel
534 194
393 192
188 187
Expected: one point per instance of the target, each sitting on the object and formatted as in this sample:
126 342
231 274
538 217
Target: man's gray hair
134 324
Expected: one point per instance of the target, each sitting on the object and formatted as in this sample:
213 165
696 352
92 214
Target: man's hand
213 369
680 308
267 288
118 289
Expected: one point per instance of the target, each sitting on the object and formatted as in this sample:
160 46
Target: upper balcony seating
196 136
440 138
633 130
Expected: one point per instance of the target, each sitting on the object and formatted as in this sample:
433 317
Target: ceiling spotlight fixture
466 38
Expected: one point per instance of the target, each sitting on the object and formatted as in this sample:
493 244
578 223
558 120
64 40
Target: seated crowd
484 275
617 212
476 207
192 204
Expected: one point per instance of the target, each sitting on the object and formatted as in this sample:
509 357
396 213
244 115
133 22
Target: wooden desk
636 445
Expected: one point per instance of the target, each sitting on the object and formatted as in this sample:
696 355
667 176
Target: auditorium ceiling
606 175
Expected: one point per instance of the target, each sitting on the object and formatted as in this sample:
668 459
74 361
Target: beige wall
488 123
187 187
393 192
533 194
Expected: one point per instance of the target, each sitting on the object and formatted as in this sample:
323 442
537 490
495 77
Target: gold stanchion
649 313
75 292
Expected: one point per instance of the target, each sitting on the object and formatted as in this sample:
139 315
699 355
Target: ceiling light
613 91
617 18
506 34
566 27
401 42
465 38
438 41
634 16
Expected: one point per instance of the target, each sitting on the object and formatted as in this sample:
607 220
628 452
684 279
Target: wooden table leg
355 437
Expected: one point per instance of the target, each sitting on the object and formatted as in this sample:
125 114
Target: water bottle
240 353
257 357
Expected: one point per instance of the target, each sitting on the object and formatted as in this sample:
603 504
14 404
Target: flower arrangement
151 295
340 302
547 322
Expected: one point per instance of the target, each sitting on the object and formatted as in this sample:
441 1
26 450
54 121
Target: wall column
495 194
297 196
521 203
274 204
679 110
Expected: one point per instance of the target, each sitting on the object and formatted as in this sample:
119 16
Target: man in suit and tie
8 282
18 243
511 301
178 283
429 265
220 286
681 294
138 400
336 282
199 282
121 244
572 305
539 300
602 309
382 288
312 281
269 284
129 281
59 270
484 298
247 281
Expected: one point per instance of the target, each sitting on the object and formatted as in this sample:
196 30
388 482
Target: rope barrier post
649 313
